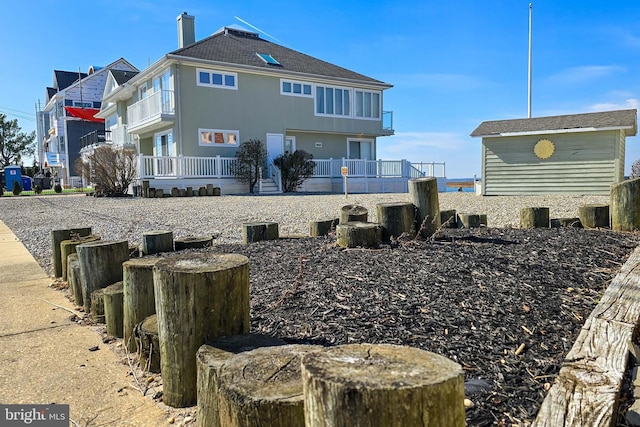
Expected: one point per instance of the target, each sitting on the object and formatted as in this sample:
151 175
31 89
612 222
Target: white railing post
218 167
260 179
180 171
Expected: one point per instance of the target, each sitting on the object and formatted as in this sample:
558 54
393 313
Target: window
83 104
293 88
218 137
220 79
333 101
367 104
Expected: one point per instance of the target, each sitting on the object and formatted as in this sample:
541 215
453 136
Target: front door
275 145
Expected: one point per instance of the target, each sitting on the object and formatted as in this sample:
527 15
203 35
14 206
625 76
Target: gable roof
233 45
619 119
121 76
64 79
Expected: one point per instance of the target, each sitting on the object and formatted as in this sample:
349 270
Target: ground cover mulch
507 304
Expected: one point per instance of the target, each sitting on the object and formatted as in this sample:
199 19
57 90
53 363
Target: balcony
117 136
94 139
151 113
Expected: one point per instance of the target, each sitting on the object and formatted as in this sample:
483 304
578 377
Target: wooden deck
587 389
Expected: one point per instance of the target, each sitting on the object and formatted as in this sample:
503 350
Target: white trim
370 140
225 137
223 74
555 131
146 90
302 85
349 90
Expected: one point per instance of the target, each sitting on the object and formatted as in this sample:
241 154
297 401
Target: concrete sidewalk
45 357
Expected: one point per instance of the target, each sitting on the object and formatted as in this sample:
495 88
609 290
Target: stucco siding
582 163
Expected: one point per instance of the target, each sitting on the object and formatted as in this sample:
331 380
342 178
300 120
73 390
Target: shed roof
233 45
619 119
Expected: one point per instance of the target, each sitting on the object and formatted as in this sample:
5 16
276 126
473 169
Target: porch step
269 187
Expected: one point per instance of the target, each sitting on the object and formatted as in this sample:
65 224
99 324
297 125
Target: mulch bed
474 296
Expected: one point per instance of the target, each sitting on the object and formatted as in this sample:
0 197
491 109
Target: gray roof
121 76
620 119
231 45
64 79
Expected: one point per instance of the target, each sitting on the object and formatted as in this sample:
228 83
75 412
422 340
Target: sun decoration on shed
544 149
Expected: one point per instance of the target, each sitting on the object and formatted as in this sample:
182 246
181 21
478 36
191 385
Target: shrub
111 170
1 190
250 157
57 188
17 188
37 189
295 168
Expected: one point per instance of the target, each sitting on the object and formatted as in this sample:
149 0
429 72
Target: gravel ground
32 218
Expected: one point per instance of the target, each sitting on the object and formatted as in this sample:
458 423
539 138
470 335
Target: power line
17 111
20 116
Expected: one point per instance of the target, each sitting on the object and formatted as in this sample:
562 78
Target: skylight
268 58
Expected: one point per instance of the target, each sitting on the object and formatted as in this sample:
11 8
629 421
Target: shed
569 154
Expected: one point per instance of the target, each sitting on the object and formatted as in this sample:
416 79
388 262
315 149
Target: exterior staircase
268 186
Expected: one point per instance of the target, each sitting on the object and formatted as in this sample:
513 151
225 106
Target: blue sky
453 64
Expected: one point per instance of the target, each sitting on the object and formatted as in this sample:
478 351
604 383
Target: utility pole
530 55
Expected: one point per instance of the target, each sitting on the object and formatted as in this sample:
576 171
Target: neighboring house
570 154
190 110
68 119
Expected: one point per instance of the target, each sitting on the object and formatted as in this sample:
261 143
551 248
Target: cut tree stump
217 191
625 203
263 387
193 242
139 296
381 385
210 358
199 297
423 193
353 213
97 305
156 241
534 218
68 247
189 192
73 278
594 216
174 191
566 222
159 193
471 220
209 188
145 188
359 234
396 219
58 236
448 218
202 191
322 227
148 343
100 265
182 192
151 193
113 309
258 231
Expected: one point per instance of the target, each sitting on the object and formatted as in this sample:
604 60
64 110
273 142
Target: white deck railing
220 167
120 136
152 106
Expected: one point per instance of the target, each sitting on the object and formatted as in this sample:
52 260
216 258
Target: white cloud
608 106
585 74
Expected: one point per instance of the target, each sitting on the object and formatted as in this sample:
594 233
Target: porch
363 176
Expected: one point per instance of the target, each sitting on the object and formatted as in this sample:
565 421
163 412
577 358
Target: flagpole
530 56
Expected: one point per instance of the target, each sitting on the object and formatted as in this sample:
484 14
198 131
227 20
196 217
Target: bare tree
250 157
295 167
635 169
111 170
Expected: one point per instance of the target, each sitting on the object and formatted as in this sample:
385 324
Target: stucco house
189 111
568 154
67 120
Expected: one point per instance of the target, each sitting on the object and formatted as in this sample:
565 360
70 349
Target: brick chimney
186 30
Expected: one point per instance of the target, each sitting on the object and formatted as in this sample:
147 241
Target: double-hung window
333 101
214 78
367 104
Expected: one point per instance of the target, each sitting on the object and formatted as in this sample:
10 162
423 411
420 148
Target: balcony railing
153 106
120 136
95 138
220 167
387 121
